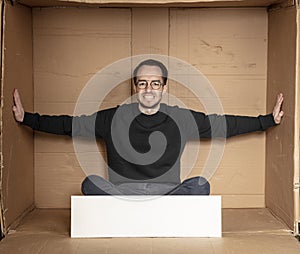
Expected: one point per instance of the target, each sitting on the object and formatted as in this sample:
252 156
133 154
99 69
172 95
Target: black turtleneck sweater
147 147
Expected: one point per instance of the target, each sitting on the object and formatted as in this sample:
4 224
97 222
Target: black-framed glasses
143 84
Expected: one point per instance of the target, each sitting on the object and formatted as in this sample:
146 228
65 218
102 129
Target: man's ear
165 89
134 88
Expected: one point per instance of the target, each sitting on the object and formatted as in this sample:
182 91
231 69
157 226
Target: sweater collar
150 121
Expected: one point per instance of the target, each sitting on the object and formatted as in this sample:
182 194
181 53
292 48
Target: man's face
148 97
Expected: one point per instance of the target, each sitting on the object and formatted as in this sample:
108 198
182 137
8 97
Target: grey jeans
96 185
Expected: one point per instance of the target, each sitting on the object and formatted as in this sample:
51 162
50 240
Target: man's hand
18 108
277 112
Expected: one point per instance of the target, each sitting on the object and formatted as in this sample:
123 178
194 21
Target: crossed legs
96 185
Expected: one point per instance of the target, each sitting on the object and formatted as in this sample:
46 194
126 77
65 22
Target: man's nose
148 88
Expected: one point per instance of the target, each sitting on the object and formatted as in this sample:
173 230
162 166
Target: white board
146 216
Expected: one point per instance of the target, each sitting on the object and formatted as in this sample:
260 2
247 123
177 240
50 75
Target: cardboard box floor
244 231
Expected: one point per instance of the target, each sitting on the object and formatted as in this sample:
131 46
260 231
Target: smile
148 96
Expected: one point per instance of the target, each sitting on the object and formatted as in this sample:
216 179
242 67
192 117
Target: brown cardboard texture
95 46
84 41
281 69
233 57
248 54
17 150
245 231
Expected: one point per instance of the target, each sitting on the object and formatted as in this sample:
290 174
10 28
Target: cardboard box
50 49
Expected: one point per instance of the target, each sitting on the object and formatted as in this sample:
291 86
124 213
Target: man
145 140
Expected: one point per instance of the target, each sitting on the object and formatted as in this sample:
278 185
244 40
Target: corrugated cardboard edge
153 3
297 134
2 222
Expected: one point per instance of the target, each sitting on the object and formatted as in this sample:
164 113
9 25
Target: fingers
279 99
279 102
17 99
18 108
277 112
278 117
281 113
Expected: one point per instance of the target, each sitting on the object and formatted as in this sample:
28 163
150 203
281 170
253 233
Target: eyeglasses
143 84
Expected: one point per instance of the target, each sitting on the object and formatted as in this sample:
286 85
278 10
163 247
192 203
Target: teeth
149 96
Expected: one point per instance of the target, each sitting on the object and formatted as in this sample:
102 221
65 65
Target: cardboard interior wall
70 46
17 143
56 61
71 43
281 160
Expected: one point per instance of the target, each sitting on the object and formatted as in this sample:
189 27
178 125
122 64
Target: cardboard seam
282 212
20 218
297 135
33 99
131 49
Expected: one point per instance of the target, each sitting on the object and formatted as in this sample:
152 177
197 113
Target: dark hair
152 62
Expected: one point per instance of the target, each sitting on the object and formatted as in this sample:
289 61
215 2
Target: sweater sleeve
224 126
61 125
85 125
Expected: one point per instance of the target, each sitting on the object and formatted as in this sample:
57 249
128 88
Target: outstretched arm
18 108
224 126
52 124
87 126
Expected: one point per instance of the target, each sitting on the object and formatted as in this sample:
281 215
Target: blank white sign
146 216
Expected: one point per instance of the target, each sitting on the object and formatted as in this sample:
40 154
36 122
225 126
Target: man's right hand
18 108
